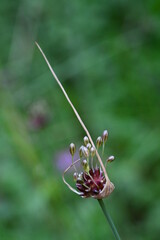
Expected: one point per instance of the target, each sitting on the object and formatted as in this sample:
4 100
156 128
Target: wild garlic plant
93 180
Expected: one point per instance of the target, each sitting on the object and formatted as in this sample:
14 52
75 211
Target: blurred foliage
107 55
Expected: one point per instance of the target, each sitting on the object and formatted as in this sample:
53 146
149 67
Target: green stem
103 148
109 219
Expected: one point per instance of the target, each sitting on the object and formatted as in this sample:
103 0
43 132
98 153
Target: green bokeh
107 56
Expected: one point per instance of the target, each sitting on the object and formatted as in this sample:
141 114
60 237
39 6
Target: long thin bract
75 111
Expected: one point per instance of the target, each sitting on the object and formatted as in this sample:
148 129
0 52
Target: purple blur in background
63 159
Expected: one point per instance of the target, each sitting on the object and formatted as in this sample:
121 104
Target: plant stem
109 219
103 149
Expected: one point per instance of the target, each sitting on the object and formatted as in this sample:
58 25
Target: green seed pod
81 151
86 140
105 135
89 146
85 152
72 149
110 159
99 142
93 151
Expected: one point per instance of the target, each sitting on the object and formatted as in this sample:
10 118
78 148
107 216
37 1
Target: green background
107 56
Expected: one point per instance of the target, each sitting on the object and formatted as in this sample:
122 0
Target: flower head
91 181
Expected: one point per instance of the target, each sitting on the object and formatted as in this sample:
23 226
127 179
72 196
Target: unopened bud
110 159
105 135
89 146
99 142
75 176
93 151
85 165
72 149
86 140
81 151
85 152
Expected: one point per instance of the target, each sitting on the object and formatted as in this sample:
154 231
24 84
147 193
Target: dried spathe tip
107 190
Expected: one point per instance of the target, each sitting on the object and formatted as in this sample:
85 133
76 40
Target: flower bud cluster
91 180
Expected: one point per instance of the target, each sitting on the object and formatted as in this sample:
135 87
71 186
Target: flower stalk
109 219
